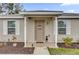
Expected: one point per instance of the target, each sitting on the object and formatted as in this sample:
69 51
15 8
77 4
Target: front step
40 44
46 44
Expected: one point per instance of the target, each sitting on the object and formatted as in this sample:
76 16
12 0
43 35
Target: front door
39 31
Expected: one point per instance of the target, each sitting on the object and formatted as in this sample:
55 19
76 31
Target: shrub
67 41
14 38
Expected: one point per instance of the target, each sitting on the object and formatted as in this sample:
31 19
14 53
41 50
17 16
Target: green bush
67 41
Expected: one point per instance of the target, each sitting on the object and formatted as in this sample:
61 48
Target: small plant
67 41
32 45
14 41
14 38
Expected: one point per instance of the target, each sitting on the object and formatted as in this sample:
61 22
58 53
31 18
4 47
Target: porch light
48 22
29 18
49 19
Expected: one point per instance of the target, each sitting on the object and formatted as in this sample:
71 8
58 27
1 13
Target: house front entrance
39 31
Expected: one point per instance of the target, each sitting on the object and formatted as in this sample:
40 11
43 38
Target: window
61 26
11 27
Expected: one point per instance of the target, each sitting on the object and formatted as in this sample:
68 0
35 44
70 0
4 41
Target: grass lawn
63 51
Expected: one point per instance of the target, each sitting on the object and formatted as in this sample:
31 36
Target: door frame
43 30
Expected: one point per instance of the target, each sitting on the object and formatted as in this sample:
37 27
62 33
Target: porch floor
46 44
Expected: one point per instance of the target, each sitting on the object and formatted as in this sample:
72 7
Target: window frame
62 27
11 27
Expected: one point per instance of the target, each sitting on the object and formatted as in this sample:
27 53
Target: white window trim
4 27
68 26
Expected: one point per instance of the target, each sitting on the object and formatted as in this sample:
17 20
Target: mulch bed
74 45
8 48
16 50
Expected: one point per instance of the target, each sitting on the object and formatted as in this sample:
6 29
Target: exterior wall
30 30
20 37
49 30
74 31
60 40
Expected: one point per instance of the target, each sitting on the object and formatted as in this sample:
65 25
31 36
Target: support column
25 31
56 31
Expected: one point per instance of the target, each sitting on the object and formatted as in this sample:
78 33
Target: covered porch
40 31
40 28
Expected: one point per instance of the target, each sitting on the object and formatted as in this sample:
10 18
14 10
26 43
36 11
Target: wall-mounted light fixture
47 22
49 19
29 18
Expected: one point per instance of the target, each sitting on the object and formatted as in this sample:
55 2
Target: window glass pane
11 30
61 23
11 23
62 27
61 30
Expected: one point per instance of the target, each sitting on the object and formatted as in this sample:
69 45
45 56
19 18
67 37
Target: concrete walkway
41 51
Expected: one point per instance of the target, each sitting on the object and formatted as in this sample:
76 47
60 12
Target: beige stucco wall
20 37
74 31
49 30
30 30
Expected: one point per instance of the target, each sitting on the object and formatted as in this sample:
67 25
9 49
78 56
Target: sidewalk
41 51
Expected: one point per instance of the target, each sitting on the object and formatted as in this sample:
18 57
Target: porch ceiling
41 18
